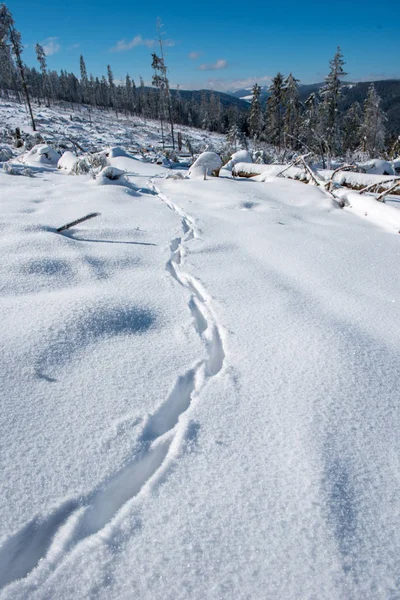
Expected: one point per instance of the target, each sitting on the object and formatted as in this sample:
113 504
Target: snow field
200 391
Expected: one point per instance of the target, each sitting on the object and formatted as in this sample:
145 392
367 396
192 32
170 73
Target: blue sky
220 45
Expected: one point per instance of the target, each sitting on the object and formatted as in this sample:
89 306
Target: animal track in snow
43 543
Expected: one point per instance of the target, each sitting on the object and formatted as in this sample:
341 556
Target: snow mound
377 167
68 161
208 163
380 213
113 176
242 156
396 165
115 152
41 154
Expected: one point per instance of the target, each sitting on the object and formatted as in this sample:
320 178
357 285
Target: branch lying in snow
329 184
294 163
370 187
381 197
68 225
321 183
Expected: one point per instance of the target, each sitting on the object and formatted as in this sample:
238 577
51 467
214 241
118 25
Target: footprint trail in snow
41 546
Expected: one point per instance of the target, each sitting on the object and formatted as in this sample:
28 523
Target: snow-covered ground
95 130
199 391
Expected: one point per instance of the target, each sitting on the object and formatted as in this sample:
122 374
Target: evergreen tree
309 123
373 125
41 58
352 128
9 34
329 107
84 80
255 117
291 119
275 112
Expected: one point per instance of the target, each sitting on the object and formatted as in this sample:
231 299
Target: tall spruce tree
329 107
9 35
41 58
373 125
275 112
255 117
291 119
352 128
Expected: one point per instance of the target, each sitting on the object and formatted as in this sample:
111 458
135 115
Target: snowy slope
199 391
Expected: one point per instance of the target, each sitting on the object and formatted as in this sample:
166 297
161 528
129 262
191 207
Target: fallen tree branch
381 197
329 184
69 225
370 187
294 163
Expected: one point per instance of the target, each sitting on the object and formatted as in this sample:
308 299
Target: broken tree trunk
72 223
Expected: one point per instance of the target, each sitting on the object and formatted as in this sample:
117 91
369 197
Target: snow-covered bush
81 166
208 163
30 140
68 161
162 160
377 167
240 156
175 175
5 153
41 154
11 169
113 176
396 165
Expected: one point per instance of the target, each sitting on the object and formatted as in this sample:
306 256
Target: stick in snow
68 225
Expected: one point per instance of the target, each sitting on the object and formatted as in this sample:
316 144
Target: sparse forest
319 124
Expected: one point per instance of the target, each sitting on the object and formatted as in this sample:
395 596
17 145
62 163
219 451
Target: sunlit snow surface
199 391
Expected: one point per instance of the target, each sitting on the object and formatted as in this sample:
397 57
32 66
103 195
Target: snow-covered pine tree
309 124
41 58
329 126
275 112
352 128
256 120
373 125
10 36
84 80
291 119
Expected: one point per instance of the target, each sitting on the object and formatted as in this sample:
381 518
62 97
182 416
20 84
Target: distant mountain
225 99
246 94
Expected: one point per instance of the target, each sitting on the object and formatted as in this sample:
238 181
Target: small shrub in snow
175 175
111 173
81 167
11 169
5 153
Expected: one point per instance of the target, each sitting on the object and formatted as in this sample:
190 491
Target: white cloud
194 55
138 40
50 46
220 64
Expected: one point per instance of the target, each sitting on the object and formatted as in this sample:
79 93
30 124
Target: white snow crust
199 390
